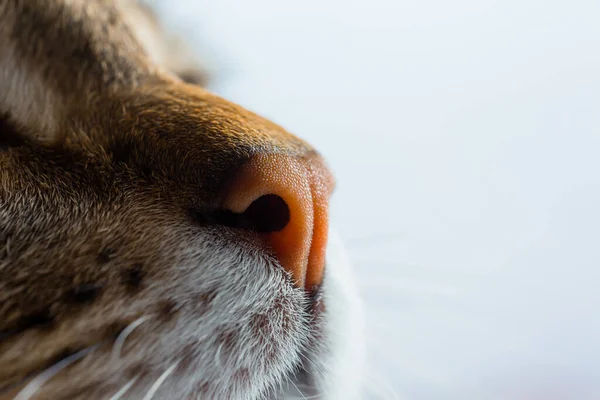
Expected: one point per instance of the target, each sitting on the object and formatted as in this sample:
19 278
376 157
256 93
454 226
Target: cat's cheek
343 328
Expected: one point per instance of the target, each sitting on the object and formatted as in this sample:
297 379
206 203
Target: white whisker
317 369
316 396
379 386
298 389
120 340
304 397
218 356
124 389
39 381
154 388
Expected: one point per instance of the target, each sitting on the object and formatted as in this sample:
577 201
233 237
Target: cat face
156 241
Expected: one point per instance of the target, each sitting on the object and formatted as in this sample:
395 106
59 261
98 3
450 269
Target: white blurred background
465 136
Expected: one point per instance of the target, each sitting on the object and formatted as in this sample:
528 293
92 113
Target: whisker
120 340
315 396
124 389
305 397
311 362
218 356
35 385
298 389
318 370
380 387
154 388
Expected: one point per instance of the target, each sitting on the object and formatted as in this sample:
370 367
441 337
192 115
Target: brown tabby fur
89 179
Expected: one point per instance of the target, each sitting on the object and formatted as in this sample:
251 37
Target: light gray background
465 136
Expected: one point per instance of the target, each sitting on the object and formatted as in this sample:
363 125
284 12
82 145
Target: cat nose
285 199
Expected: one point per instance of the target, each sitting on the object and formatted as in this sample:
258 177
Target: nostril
268 213
284 199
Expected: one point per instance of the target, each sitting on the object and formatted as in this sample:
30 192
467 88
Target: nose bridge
304 184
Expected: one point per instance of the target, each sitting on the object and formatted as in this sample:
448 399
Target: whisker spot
133 275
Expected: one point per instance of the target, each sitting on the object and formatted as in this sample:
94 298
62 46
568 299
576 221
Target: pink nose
288 198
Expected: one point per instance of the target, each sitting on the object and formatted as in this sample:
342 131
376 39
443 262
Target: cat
156 240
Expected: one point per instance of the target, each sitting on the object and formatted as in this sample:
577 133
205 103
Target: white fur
337 365
344 325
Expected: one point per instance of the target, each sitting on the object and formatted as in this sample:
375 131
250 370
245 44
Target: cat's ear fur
165 48
48 73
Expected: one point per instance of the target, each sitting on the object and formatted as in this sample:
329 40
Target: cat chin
337 370
344 325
